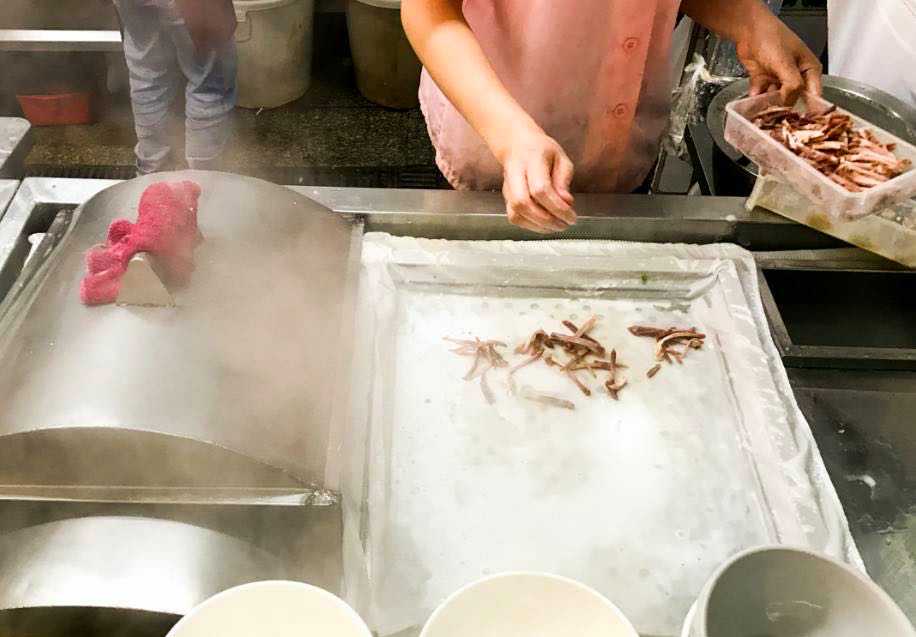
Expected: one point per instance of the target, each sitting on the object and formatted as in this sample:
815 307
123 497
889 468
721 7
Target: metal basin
234 387
778 590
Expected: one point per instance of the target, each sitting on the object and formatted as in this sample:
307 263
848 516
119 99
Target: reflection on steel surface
125 562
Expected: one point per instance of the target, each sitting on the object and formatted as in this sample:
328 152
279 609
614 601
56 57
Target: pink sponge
166 227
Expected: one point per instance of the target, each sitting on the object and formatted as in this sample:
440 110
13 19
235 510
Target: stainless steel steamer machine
151 457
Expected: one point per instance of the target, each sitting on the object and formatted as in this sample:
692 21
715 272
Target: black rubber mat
80 172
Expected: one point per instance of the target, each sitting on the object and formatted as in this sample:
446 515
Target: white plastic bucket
526 605
274 40
272 609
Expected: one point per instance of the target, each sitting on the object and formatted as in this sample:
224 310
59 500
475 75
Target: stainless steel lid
233 387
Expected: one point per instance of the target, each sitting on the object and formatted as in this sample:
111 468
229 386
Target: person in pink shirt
540 97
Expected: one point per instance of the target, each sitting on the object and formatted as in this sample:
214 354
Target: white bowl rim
700 608
509 574
337 601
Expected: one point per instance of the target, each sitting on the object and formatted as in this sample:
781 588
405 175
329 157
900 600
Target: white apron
874 42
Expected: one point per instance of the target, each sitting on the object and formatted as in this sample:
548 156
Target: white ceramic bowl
272 609
527 605
784 592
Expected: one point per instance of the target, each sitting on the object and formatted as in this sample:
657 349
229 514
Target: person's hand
211 23
536 177
776 58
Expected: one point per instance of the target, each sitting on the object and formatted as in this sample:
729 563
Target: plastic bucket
525 604
778 590
55 110
274 41
272 609
387 69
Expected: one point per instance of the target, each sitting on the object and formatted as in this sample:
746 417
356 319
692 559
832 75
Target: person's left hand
776 58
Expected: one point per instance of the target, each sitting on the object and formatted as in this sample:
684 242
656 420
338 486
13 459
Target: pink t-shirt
594 74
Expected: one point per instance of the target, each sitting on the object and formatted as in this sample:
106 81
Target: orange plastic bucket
58 109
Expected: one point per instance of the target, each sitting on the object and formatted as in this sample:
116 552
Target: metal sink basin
849 313
811 300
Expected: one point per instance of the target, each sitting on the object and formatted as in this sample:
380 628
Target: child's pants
159 54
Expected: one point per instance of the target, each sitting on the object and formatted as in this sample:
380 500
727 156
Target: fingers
562 178
811 73
760 83
521 209
540 185
536 180
791 84
521 222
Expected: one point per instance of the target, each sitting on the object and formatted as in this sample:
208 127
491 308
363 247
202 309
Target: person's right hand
537 174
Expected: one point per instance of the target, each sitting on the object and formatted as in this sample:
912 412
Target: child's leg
210 97
151 62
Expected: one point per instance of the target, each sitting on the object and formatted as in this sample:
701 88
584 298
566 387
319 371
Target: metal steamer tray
212 439
641 498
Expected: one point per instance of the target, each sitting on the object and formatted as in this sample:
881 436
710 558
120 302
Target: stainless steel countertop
59 40
862 421
448 214
15 143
